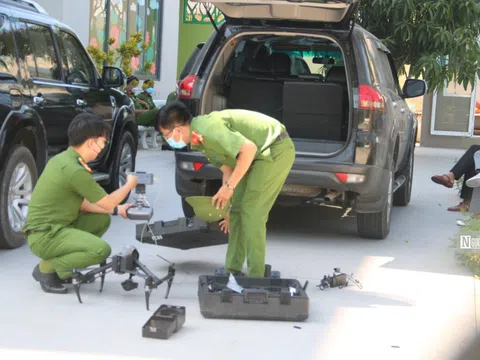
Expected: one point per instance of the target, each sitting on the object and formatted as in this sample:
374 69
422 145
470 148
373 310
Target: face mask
176 144
149 91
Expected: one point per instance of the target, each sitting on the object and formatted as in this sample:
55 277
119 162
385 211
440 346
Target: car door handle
39 99
82 103
402 110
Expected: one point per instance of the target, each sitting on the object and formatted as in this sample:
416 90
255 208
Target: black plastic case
166 321
261 299
183 233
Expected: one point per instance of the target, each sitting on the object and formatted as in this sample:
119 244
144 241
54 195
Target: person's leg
474 181
264 183
78 246
463 165
236 250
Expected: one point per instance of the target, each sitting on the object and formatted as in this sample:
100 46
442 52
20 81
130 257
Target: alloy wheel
19 195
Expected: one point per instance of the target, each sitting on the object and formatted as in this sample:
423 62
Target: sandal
460 207
442 180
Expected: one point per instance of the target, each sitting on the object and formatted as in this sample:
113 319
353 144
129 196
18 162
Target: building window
118 19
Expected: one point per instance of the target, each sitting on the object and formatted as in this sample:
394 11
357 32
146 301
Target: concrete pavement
417 302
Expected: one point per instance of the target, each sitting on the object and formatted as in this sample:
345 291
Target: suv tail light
370 98
185 86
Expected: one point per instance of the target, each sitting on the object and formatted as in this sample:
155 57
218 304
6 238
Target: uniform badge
80 160
197 138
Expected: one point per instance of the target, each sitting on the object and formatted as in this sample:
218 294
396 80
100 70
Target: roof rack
27 5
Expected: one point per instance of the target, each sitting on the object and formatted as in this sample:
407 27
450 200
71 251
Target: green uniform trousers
63 249
252 201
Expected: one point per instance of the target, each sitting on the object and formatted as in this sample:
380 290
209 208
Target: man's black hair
172 114
131 78
86 126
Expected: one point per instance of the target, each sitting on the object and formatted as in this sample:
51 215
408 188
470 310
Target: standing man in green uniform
255 155
69 211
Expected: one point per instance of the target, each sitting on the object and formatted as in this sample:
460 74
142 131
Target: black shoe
81 279
49 282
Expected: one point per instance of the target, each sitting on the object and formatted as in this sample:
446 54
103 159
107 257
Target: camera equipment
338 279
125 262
141 210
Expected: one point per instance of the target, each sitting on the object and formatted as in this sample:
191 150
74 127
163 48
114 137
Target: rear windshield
301 56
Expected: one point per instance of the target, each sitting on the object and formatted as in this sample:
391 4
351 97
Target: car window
42 61
189 64
393 71
385 75
8 59
78 70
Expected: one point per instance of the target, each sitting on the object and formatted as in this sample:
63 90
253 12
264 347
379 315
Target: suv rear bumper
368 184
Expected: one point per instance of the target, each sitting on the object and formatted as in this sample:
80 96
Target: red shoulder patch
197 138
80 160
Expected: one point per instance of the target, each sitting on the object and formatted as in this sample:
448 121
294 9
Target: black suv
46 79
333 85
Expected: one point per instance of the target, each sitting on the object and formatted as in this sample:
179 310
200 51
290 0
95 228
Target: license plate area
301 190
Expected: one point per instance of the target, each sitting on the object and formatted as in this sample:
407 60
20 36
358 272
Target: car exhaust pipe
331 196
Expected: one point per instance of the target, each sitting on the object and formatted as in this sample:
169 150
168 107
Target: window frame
93 68
11 29
159 37
55 49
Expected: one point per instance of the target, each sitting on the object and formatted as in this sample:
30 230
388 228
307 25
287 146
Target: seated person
144 114
146 95
69 211
469 167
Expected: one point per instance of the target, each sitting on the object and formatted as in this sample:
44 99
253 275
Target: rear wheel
377 225
17 181
123 162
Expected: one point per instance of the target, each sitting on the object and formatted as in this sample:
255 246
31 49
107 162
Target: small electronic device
338 279
141 210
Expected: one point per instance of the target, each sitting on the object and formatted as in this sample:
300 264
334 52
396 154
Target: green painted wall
189 36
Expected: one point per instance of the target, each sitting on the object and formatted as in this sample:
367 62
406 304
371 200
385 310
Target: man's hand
222 196
225 223
122 210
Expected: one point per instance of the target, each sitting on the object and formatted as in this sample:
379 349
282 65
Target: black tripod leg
148 291
76 285
169 285
102 276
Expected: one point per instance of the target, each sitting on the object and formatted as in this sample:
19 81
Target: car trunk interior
298 80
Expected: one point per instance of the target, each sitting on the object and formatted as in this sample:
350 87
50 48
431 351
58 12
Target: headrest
280 63
336 73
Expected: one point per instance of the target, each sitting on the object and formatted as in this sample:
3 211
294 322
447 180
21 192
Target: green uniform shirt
136 103
225 131
60 191
147 98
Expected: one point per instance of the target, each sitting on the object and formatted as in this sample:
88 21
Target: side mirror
113 77
414 88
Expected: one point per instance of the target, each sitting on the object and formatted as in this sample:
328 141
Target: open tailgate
297 10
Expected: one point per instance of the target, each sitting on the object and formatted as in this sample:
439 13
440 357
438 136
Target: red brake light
185 87
197 166
341 176
370 98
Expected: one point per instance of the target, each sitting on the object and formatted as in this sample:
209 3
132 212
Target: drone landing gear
126 262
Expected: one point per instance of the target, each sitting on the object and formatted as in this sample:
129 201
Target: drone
338 279
127 260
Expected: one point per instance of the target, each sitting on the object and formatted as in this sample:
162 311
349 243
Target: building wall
189 36
76 15
440 141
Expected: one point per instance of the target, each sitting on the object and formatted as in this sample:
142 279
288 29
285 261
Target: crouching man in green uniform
69 211
255 155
